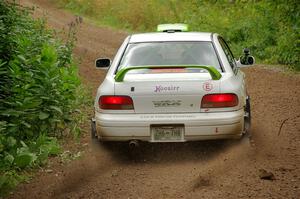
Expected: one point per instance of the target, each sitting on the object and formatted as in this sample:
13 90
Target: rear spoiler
214 73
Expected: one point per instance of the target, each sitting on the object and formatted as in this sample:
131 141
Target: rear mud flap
247 118
93 129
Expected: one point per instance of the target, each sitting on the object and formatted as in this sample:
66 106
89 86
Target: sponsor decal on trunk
207 86
161 88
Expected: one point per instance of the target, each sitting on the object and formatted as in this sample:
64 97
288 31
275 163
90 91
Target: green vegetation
269 28
38 93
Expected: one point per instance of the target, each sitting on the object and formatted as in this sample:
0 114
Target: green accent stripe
214 73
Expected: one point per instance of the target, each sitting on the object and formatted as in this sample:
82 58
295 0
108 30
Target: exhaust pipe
133 143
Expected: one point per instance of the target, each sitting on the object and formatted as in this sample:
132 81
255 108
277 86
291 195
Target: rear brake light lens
219 101
116 102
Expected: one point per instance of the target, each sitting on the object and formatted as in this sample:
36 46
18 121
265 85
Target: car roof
170 36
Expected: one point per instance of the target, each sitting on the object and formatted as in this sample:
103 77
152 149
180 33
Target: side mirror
247 59
102 63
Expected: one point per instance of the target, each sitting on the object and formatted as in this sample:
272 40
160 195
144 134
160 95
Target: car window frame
213 45
229 56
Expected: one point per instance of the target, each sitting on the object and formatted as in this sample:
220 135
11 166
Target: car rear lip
198 126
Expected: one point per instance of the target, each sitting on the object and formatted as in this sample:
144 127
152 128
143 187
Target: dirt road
213 169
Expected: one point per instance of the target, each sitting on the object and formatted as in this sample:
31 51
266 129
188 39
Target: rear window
170 53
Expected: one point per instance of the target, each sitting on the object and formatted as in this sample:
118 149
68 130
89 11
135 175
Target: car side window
228 54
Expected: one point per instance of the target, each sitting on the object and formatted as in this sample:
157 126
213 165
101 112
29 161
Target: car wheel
247 118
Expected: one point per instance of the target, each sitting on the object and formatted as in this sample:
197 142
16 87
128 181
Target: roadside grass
42 101
269 28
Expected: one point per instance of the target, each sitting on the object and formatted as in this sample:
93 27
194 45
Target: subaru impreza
172 86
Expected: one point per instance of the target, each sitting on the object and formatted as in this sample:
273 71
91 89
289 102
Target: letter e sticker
207 86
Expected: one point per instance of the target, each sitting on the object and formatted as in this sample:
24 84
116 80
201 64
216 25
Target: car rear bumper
197 126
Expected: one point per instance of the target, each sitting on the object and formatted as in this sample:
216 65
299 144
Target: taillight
219 100
116 102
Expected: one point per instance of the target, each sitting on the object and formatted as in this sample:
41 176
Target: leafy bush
269 28
38 87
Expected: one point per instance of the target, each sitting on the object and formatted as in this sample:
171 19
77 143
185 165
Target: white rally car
172 86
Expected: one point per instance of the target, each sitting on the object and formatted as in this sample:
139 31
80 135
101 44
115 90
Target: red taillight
219 100
116 102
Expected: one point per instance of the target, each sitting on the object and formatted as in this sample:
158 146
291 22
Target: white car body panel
171 90
186 92
198 126
165 37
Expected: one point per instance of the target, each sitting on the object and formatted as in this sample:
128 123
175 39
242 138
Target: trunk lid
167 92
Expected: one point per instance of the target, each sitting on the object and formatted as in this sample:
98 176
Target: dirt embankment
213 169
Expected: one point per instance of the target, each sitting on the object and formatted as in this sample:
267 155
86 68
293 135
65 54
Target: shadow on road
165 152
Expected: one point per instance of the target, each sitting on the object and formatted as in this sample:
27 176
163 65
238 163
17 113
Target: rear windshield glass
170 53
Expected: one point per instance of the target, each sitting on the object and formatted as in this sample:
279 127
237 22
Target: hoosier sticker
160 88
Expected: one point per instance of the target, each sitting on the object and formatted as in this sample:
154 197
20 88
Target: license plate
162 133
